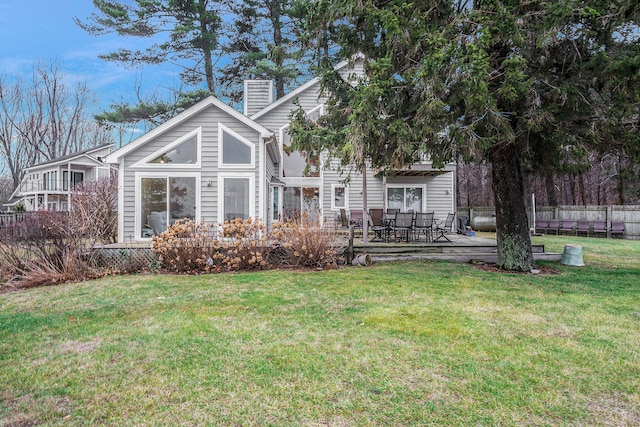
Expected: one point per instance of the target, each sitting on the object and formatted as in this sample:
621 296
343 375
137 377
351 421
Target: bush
190 247
94 209
247 248
49 247
45 248
186 247
305 242
195 247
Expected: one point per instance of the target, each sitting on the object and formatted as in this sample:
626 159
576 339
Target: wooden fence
628 214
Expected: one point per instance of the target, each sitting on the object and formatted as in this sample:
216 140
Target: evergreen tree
264 44
520 84
192 26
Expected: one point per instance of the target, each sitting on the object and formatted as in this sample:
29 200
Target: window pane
395 198
292 201
236 198
314 114
77 178
339 197
294 163
185 153
234 151
414 199
311 202
275 201
153 206
182 198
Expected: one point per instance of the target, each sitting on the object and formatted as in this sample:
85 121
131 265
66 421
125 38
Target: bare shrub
306 242
247 246
45 249
94 210
195 247
186 246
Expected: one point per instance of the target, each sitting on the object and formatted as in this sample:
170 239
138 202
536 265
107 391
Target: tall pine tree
264 43
520 84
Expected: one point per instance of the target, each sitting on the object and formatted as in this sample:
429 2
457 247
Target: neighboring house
213 163
48 185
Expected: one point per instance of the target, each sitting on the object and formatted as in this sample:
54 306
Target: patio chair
377 224
599 228
157 222
356 218
403 225
424 224
582 227
443 228
391 213
617 229
552 227
566 227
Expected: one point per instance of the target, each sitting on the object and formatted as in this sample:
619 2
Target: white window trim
424 194
295 181
85 177
313 110
221 130
333 197
49 181
165 174
144 163
252 192
272 189
281 146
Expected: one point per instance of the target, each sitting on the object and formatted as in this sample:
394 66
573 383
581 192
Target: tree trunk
621 195
365 210
512 226
583 190
278 58
552 198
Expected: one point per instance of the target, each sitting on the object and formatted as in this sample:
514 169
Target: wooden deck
461 249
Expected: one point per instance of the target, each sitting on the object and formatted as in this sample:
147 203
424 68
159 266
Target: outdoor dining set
392 224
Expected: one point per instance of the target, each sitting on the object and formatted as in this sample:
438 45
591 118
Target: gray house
213 163
49 185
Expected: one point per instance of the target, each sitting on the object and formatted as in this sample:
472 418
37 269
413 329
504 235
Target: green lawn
417 343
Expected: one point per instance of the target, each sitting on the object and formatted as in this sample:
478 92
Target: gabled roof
293 94
77 155
182 117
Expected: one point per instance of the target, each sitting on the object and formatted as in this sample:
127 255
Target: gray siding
279 117
208 120
437 199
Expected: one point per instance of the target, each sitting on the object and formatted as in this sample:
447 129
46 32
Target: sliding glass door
163 200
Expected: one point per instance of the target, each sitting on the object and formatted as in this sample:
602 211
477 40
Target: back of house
213 163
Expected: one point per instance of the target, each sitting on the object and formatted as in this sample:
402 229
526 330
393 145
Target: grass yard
398 344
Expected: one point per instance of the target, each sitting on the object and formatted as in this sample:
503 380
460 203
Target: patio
461 249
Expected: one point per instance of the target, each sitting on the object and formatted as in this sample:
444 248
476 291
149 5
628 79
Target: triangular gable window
236 150
183 152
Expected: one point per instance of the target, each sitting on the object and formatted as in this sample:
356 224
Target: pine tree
520 84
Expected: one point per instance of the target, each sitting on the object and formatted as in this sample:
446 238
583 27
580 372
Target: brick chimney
257 95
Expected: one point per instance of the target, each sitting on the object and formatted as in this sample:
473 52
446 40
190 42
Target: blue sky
43 30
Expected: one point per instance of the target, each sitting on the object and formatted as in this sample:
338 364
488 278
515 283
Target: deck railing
42 186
